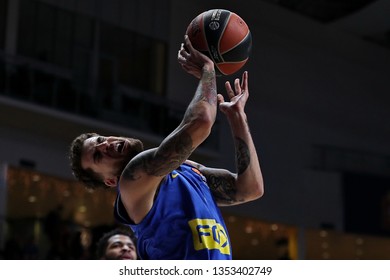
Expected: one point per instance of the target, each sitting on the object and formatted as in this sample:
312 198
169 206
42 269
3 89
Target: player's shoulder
195 164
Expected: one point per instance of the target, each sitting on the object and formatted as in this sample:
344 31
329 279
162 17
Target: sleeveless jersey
183 223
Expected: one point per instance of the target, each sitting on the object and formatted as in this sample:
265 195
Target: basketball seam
238 43
220 37
236 62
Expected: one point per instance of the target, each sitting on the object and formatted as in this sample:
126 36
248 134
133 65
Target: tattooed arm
144 173
247 183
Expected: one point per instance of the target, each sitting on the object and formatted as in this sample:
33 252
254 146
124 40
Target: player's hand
237 97
193 61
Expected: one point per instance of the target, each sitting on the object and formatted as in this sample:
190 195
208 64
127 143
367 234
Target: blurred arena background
319 112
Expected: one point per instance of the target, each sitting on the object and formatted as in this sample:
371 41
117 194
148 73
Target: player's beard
135 146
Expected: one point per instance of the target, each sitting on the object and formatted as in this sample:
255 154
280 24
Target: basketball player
169 201
117 244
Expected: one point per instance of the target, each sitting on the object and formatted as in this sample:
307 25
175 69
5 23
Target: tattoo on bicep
162 160
130 171
223 188
242 155
170 155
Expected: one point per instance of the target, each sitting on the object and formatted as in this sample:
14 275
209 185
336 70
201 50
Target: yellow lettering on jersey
208 234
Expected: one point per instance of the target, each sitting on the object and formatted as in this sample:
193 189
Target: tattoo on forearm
207 90
242 155
210 90
223 188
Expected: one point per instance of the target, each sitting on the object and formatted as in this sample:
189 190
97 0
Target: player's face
106 155
120 247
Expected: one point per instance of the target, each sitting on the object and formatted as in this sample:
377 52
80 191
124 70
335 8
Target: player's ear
111 182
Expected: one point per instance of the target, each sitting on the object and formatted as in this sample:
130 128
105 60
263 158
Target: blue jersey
183 223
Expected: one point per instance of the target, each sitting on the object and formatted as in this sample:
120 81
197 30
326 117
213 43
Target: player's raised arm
246 184
143 174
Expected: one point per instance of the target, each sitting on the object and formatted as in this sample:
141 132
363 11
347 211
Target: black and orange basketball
224 37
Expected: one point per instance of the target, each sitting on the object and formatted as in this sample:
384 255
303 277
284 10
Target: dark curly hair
88 177
102 243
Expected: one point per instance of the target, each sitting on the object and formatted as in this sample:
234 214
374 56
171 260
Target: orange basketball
224 37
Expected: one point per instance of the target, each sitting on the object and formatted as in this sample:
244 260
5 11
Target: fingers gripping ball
224 37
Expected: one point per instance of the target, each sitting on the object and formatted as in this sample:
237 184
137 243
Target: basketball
224 37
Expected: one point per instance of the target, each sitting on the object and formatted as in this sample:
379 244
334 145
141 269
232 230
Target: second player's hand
237 97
